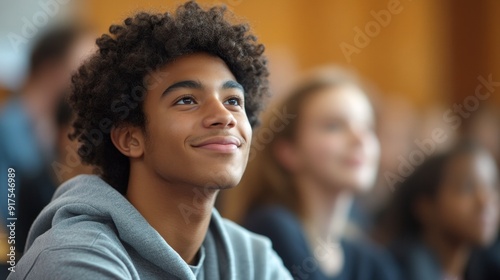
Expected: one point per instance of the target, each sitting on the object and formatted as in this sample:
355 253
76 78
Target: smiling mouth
224 148
222 144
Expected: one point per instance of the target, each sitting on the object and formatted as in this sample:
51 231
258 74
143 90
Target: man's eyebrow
182 84
233 84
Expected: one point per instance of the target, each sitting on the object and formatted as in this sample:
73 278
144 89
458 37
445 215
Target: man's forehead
199 67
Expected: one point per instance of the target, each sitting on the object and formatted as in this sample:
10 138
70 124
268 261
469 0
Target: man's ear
129 140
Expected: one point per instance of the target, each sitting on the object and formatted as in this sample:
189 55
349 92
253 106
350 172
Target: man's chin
222 187
221 183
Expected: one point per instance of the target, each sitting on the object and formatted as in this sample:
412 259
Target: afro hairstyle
108 90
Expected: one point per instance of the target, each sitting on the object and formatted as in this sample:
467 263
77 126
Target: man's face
197 131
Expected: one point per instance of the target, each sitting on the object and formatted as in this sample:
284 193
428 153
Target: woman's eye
234 101
185 101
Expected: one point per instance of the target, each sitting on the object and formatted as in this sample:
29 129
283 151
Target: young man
164 110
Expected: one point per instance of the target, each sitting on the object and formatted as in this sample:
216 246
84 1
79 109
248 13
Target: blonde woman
314 151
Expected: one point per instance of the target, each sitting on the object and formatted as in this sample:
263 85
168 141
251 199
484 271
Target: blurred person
28 124
315 150
400 128
483 126
173 98
444 210
397 135
405 133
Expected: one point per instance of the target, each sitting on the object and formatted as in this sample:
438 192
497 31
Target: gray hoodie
91 231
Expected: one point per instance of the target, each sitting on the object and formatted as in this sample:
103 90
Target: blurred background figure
32 120
405 135
397 121
314 151
443 211
483 127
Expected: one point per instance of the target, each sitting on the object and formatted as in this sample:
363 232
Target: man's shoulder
80 233
81 247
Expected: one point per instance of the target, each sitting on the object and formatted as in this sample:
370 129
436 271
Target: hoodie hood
91 230
90 196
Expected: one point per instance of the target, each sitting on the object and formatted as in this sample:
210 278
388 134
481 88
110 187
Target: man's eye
185 101
233 101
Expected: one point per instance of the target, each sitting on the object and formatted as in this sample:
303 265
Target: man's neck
180 214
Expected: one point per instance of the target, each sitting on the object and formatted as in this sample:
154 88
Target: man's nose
217 115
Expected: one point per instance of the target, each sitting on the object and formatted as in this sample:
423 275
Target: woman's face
335 140
466 206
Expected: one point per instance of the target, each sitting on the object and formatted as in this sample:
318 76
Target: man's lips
219 143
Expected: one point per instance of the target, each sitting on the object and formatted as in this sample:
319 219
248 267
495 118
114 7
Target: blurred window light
21 23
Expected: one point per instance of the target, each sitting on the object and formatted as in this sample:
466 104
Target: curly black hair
108 90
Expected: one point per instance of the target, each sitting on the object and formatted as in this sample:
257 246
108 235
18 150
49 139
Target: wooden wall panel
429 52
